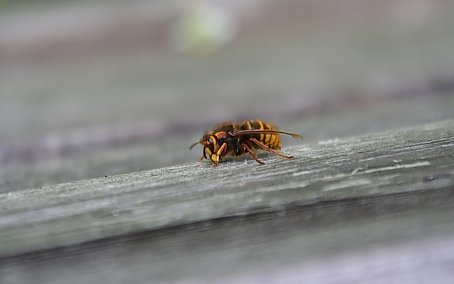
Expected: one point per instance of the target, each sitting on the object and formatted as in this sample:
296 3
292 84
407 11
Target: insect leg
245 146
221 150
266 148
215 157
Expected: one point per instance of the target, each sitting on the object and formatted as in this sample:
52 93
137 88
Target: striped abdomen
271 140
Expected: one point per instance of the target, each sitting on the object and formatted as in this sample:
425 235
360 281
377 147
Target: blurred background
96 88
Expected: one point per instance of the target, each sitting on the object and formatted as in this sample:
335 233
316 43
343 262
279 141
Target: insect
231 139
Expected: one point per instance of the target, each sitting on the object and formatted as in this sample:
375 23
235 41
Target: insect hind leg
266 148
248 149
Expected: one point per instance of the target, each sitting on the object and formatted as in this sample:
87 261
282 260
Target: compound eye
207 152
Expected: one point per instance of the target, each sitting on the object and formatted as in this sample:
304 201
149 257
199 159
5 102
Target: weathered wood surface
85 101
380 204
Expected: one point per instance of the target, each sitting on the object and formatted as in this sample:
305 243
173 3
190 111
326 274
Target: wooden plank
414 160
86 126
112 151
405 238
370 208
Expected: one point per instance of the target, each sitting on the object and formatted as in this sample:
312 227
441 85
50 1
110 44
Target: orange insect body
230 139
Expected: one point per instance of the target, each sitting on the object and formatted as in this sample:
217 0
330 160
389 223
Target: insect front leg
216 157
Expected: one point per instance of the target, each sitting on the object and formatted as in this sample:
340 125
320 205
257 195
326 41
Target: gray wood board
377 207
412 160
99 152
75 108
404 238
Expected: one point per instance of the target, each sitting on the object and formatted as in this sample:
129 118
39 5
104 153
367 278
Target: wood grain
413 161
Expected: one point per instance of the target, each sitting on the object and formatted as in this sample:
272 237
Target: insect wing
264 131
